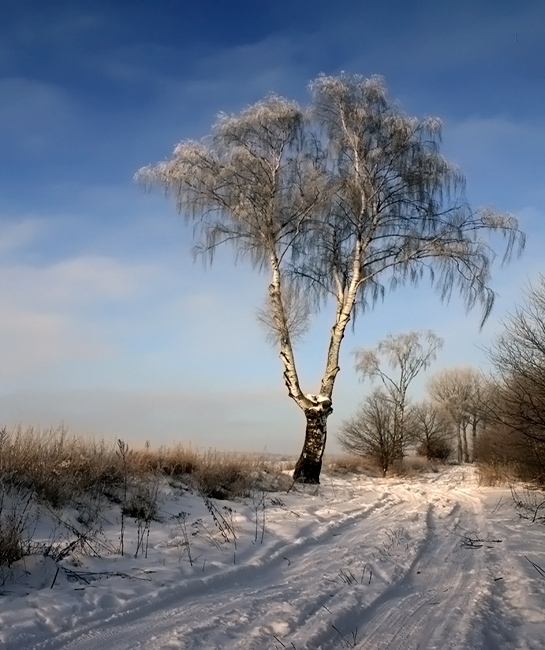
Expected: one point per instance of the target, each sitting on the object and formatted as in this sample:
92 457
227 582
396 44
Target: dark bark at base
309 465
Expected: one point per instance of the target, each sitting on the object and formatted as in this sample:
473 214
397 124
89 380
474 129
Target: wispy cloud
14 235
56 313
74 282
32 340
36 117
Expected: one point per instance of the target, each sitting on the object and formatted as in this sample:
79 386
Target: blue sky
106 323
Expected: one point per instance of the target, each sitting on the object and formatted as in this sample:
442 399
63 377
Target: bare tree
432 430
517 400
407 355
372 431
337 202
478 407
459 393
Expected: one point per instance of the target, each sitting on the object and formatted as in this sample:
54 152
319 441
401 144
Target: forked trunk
309 465
316 408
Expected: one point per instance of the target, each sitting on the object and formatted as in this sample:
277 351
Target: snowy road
395 565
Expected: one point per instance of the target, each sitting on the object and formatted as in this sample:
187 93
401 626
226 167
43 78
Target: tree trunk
464 437
398 431
309 465
474 439
460 456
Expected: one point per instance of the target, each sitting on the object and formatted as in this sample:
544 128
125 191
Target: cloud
49 27
486 134
15 235
75 282
32 339
56 313
36 117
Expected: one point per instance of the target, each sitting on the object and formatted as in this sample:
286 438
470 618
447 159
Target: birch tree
406 355
459 392
337 202
479 407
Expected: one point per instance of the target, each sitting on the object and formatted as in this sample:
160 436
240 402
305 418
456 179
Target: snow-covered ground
431 562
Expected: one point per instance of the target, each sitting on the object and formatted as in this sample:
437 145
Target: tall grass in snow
53 469
56 466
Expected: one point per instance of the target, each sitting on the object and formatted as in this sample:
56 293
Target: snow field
356 562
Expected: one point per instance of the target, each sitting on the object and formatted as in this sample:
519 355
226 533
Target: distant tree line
516 399
497 420
446 423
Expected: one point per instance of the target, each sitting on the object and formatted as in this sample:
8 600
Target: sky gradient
106 322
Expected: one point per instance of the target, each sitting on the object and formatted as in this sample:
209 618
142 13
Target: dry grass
54 465
57 467
15 516
505 456
493 473
344 464
51 469
412 466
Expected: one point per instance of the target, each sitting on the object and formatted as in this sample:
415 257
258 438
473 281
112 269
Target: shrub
227 476
344 464
437 450
15 511
504 455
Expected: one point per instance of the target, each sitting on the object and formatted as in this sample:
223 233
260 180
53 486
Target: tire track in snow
413 612
198 604
298 600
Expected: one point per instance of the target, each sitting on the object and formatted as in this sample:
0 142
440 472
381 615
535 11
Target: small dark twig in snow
347 577
470 542
55 578
349 644
539 569
363 572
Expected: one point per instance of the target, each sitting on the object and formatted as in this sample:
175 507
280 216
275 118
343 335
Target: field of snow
434 562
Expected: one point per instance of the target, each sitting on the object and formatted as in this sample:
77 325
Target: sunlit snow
432 562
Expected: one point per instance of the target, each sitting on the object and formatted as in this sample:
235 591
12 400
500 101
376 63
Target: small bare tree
372 431
432 430
336 202
405 354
